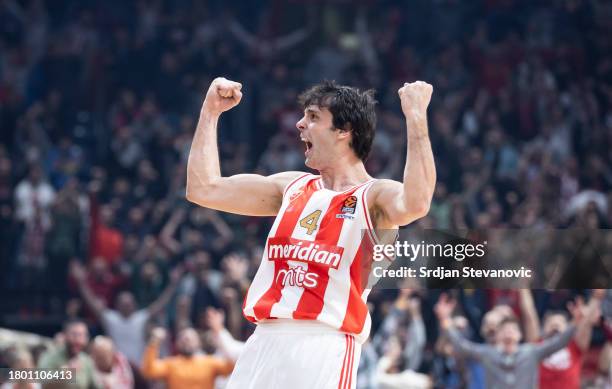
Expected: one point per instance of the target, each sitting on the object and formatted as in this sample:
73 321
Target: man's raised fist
222 95
415 97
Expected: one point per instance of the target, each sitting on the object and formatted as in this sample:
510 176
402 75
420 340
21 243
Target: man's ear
345 132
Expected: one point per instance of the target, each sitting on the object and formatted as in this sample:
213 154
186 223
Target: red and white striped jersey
317 259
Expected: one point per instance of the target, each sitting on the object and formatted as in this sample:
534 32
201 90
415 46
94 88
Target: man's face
102 356
489 325
508 335
554 324
77 337
126 304
317 131
188 342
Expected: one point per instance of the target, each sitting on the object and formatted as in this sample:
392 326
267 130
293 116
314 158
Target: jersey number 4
310 222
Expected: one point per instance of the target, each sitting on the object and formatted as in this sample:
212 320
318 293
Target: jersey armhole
370 230
286 190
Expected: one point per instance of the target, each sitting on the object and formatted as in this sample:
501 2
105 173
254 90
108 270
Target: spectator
225 342
508 364
21 359
105 240
390 374
34 197
563 368
112 367
71 353
126 326
190 369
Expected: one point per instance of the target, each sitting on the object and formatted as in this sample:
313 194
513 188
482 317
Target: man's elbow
190 194
416 211
199 194
421 209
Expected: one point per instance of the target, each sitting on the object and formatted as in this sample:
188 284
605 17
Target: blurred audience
97 107
190 369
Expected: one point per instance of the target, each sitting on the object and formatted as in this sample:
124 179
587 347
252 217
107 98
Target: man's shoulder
110 315
385 184
286 180
86 359
53 357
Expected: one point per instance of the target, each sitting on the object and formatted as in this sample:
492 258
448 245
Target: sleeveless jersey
317 259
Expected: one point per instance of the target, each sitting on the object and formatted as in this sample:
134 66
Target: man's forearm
461 345
203 163
420 170
531 321
584 329
556 343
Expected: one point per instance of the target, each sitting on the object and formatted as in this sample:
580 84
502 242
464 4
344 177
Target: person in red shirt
105 241
563 368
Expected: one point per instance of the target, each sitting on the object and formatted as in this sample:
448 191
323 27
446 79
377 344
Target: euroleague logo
297 276
348 208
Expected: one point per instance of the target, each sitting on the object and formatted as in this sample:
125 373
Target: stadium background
99 100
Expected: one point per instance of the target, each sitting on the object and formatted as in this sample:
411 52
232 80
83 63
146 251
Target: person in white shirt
126 325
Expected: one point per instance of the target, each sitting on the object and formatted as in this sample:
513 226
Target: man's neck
69 354
343 174
509 349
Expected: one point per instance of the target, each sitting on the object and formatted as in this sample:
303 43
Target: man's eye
313 116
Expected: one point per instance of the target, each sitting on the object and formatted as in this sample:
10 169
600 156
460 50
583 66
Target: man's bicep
246 194
387 196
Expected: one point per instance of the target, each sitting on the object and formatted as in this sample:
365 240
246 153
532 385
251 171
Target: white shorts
285 354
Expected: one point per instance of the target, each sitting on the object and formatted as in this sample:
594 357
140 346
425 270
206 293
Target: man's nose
300 125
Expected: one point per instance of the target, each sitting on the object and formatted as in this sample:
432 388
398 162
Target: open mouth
308 145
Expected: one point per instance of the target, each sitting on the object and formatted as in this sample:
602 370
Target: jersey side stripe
285 228
356 310
265 272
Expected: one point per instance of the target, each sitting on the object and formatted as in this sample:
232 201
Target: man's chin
74 350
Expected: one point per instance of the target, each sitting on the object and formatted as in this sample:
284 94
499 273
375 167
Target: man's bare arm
402 203
592 314
531 321
244 194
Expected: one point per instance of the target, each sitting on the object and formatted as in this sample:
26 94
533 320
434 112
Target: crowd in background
98 105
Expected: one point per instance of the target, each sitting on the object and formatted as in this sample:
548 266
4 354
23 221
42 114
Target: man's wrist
155 341
207 112
414 135
445 323
415 116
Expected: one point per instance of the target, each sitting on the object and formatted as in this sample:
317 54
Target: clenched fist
415 98
158 334
222 95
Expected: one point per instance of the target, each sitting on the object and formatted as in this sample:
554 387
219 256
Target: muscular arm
244 194
402 203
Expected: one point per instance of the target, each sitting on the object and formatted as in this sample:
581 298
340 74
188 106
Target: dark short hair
351 109
72 322
510 320
555 312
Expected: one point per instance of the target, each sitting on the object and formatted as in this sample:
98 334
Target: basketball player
308 297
